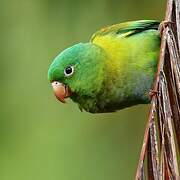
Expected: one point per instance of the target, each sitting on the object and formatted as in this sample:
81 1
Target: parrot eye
68 71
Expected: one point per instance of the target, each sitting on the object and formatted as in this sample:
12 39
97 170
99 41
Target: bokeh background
41 139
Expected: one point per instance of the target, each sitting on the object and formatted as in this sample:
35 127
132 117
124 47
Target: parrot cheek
61 91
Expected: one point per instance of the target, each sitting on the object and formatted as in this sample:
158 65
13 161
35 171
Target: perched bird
113 71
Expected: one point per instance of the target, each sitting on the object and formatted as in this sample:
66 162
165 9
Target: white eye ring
68 71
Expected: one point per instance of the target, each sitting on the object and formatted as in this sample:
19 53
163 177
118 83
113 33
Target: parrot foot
163 25
152 93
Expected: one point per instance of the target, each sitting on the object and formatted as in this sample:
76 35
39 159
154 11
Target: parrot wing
127 29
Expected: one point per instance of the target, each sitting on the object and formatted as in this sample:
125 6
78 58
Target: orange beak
61 91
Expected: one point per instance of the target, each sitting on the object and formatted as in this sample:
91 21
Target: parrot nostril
55 83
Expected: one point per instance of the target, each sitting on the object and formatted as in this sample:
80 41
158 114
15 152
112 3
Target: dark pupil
68 70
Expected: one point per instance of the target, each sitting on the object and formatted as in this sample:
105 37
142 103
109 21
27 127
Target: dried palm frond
161 144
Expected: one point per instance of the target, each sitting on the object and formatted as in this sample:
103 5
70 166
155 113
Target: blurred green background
41 139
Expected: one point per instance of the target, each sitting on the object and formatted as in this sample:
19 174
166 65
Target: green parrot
113 71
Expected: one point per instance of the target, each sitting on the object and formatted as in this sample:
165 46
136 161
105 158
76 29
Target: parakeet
112 71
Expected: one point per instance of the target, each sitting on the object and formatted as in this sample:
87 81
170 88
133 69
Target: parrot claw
153 93
163 25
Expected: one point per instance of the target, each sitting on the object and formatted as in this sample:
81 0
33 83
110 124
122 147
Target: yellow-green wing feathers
126 29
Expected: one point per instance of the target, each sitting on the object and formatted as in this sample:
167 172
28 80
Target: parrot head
78 73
